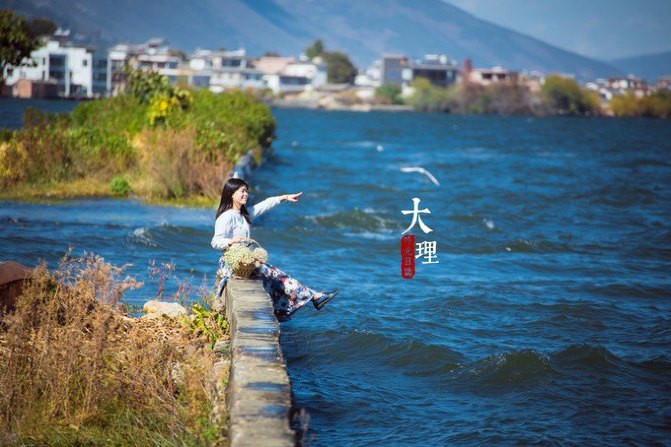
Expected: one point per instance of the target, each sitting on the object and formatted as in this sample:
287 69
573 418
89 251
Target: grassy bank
78 371
158 142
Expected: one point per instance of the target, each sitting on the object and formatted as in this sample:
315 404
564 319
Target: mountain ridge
365 30
649 66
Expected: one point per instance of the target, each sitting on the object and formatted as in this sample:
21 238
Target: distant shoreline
315 105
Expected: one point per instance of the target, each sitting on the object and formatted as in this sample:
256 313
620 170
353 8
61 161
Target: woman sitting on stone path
232 226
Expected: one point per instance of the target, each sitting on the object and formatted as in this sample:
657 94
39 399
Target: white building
315 72
371 77
596 86
494 75
223 70
400 70
287 75
215 70
609 88
71 67
436 68
663 83
280 83
630 83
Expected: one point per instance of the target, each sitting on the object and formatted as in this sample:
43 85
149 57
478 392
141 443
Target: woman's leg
287 293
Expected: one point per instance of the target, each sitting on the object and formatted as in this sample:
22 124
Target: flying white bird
421 171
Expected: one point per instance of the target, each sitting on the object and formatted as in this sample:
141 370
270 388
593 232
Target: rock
12 278
222 349
156 309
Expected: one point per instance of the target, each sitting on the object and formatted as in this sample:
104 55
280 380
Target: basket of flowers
243 257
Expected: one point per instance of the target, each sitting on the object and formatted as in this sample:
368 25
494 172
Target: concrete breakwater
258 394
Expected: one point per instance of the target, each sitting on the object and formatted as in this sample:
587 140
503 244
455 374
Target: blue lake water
546 321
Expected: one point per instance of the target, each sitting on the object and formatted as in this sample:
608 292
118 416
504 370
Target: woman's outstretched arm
272 202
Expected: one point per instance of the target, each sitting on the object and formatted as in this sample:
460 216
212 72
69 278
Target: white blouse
231 223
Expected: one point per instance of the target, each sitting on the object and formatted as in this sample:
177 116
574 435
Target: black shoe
326 297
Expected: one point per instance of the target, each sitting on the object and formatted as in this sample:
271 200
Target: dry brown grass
171 165
77 371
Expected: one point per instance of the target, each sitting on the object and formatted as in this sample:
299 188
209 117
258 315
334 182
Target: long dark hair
226 202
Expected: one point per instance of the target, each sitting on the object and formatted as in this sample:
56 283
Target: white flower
242 259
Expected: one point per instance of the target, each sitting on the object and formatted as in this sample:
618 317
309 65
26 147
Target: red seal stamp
408 256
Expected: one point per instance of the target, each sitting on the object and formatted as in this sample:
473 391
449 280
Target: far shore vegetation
158 142
77 370
557 96
657 105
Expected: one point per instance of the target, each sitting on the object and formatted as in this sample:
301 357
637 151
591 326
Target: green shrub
155 90
145 85
427 97
120 186
122 115
233 120
208 322
389 93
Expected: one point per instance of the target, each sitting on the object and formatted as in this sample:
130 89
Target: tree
565 97
16 42
339 69
316 49
41 27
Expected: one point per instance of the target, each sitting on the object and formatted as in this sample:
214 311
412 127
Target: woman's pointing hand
292 197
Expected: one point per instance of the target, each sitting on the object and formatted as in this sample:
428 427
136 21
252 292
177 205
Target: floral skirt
287 294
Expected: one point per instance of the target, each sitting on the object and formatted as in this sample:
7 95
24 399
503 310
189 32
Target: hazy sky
603 29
